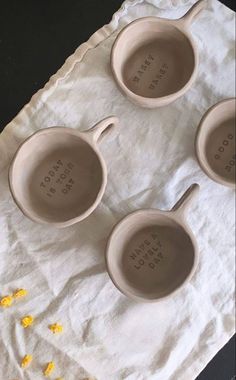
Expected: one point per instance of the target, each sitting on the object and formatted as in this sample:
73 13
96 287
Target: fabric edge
94 40
201 365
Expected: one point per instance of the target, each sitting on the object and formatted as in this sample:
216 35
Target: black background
36 37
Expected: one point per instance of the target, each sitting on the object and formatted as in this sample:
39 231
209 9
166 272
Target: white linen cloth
151 162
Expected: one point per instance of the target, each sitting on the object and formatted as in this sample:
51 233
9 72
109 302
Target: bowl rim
81 135
179 219
162 100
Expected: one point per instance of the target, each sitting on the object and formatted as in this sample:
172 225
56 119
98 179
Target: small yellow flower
48 370
19 293
6 301
27 359
27 321
56 328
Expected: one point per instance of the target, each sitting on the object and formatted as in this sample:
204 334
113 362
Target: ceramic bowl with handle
215 142
154 60
152 253
58 176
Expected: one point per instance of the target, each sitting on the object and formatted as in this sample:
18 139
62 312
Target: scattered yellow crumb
27 359
19 293
56 328
48 370
6 301
27 321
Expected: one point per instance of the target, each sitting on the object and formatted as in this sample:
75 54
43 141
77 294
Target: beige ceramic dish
152 253
215 142
58 175
154 61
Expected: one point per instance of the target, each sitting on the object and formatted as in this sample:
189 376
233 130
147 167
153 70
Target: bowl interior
150 258
153 58
56 176
216 143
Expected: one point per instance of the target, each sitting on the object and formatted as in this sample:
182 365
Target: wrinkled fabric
151 161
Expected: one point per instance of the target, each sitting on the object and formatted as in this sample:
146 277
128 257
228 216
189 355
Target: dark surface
35 39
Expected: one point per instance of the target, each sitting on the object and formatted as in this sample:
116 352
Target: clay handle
193 12
186 199
99 130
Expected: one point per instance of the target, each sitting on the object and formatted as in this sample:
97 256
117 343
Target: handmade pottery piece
58 175
152 253
215 142
154 61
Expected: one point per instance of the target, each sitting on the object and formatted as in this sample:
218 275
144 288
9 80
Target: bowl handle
186 199
192 13
99 130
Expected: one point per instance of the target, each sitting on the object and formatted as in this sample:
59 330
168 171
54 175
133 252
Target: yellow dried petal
56 328
6 301
19 293
27 321
48 370
27 359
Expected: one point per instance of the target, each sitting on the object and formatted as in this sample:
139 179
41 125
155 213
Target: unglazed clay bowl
215 142
152 253
154 61
58 175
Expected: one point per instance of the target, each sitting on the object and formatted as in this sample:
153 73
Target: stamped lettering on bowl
221 153
156 75
155 69
143 67
161 73
58 179
148 253
226 143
